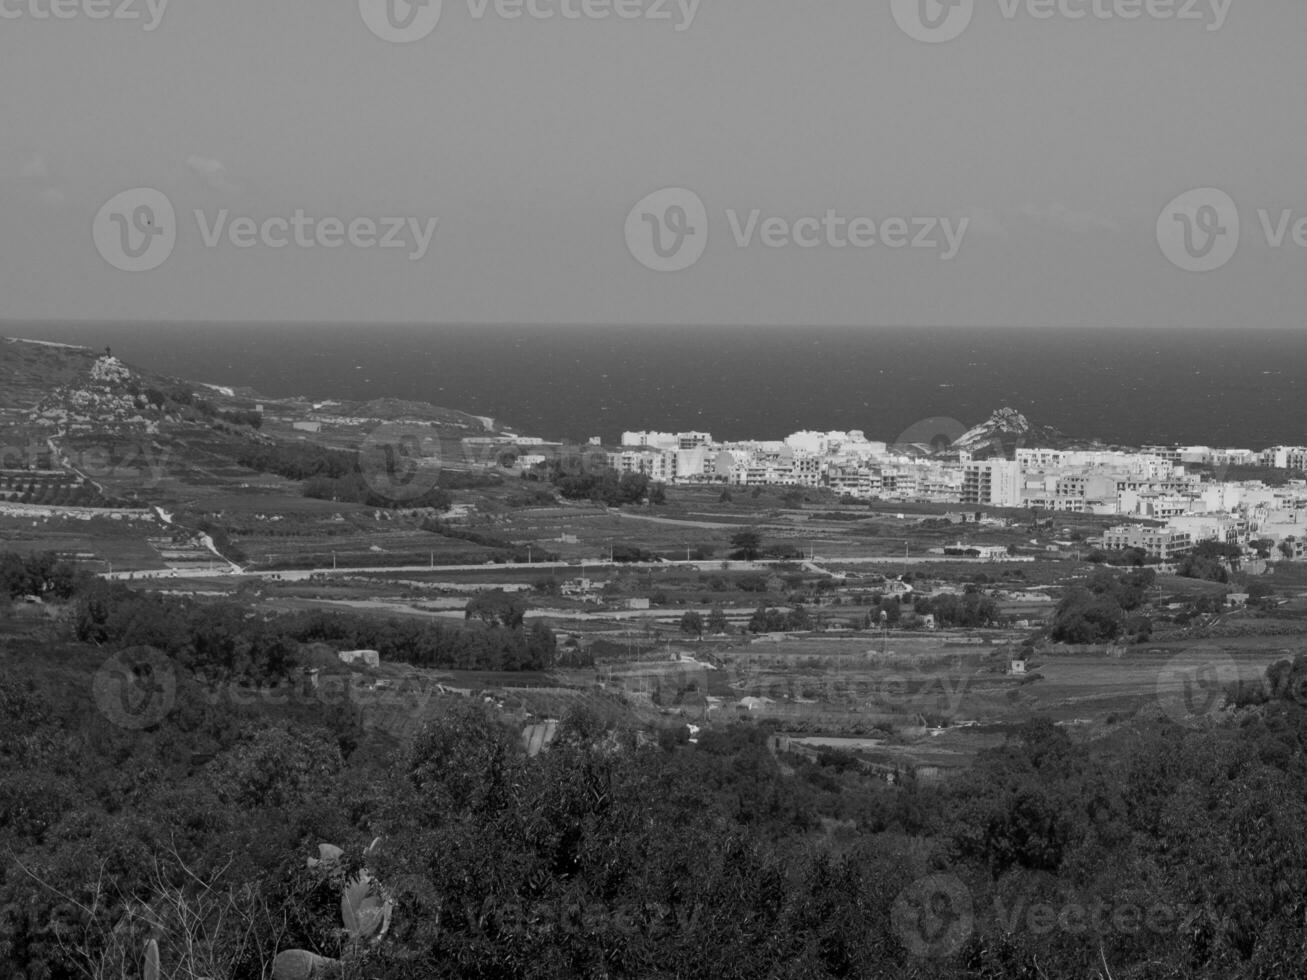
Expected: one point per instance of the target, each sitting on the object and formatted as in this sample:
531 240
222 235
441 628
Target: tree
1084 617
1204 569
548 586
1259 595
747 545
497 608
692 624
765 620
717 620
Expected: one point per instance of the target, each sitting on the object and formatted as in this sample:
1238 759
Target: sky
996 162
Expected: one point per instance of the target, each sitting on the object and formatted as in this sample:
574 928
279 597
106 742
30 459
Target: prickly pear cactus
300 964
151 971
329 856
364 910
364 907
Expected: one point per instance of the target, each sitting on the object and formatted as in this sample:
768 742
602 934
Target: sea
1122 387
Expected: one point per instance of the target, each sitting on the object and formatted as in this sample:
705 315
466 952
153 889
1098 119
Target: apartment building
994 482
650 440
856 482
659 466
1157 542
1285 458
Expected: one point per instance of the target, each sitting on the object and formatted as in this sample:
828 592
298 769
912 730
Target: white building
1157 542
995 482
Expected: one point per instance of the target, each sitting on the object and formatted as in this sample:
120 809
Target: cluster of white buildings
1157 484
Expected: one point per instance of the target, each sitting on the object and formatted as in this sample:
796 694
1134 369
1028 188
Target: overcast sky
1059 140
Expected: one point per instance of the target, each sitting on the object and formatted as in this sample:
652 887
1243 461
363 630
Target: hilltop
30 369
83 424
1006 431
64 384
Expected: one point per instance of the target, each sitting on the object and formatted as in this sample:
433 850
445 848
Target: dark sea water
1232 387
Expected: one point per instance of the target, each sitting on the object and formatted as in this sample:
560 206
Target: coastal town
1169 498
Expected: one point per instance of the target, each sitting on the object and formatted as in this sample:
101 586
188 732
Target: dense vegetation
42 575
1100 610
588 477
1157 851
331 474
1163 852
227 639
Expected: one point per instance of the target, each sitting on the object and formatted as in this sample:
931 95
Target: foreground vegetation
1154 851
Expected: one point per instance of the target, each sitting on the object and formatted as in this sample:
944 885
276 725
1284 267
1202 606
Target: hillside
87 430
30 369
61 383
